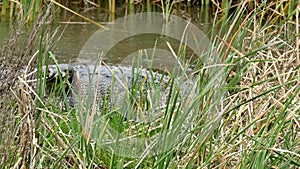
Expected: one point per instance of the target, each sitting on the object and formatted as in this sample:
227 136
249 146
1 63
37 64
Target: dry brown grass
17 105
263 116
260 126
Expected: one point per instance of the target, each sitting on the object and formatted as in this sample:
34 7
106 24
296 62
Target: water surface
78 31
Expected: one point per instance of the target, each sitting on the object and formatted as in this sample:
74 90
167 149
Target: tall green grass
259 127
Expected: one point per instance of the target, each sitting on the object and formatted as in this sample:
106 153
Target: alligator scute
112 83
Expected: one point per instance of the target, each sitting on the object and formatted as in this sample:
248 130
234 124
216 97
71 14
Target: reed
29 9
258 50
112 6
5 5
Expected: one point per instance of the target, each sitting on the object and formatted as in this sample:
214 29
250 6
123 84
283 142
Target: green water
76 33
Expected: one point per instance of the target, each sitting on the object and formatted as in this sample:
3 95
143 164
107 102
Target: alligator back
112 86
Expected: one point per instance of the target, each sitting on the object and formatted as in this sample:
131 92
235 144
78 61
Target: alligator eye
63 74
51 74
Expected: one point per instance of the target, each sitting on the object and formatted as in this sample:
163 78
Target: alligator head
60 70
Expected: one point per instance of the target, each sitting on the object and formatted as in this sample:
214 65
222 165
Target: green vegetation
258 127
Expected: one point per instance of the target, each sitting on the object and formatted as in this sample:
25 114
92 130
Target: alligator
107 87
112 85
